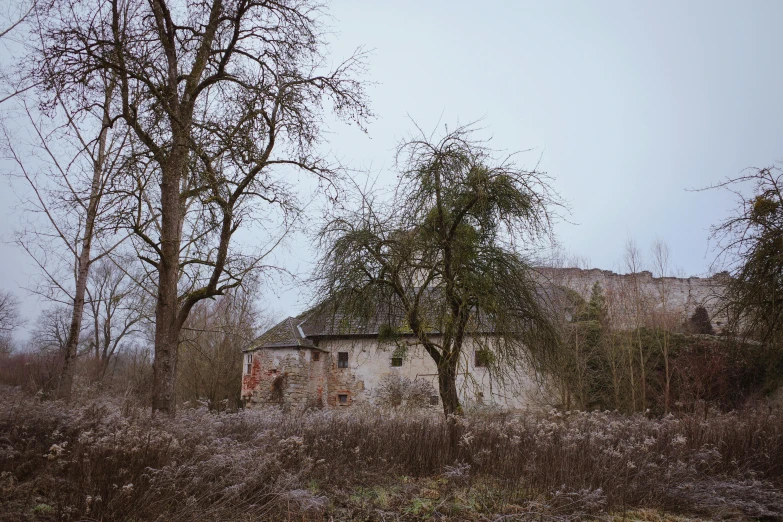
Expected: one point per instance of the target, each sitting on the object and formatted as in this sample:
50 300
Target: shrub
396 391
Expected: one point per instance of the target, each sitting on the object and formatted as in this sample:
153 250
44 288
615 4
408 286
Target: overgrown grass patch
106 459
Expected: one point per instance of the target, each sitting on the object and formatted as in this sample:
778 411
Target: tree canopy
448 256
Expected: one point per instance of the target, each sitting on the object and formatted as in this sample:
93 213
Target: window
248 363
396 361
434 400
342 359
342 398
482 358
316 356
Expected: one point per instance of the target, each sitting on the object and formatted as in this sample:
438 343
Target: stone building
302 362
312 361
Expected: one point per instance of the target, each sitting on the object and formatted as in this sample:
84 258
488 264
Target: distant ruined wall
678 297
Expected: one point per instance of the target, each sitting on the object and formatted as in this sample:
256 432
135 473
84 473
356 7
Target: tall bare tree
637 308
220 96
446 257
70 169
665 319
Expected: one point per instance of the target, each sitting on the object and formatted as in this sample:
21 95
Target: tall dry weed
110 460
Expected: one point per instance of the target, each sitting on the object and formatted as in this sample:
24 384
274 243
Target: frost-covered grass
107 459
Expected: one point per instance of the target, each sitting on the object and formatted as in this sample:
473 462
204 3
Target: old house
311 361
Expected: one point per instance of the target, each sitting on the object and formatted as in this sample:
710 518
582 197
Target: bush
395 391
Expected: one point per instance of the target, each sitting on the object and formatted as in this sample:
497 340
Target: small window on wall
248 363
396 361
342 398
482 358
434 400
316 356
342 359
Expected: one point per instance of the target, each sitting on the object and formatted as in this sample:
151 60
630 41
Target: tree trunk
447 384
167 324
65 384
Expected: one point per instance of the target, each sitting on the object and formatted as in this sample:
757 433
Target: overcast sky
626 104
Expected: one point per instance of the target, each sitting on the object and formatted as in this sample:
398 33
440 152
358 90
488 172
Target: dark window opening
273 370
396 361
434 400
342 398
481 358
342 359
316 356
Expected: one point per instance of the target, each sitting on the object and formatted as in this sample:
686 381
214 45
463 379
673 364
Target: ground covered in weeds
107 459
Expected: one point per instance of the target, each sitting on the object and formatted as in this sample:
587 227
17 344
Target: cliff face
643 299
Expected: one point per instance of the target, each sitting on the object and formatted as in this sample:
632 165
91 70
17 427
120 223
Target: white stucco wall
369 363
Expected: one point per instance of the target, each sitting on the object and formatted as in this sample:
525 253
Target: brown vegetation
108 459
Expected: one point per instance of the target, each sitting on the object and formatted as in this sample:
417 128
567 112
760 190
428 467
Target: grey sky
626 103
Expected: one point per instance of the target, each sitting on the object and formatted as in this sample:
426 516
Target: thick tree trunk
167 324
447 385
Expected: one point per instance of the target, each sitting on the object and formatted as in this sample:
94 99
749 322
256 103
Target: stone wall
286 376
678 297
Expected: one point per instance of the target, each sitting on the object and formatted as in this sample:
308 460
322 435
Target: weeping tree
446 258
751 248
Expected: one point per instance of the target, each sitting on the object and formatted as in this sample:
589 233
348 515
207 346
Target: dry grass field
108 459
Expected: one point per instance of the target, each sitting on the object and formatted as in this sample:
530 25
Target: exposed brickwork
288 377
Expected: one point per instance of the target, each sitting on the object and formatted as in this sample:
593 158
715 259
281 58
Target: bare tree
445 258
222 97
9 313
10 319
212 341
637 301
70 170
116 308
665 319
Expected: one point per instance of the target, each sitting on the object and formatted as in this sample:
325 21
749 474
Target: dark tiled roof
326 321
285 334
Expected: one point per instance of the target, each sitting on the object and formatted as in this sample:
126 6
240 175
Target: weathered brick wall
285 376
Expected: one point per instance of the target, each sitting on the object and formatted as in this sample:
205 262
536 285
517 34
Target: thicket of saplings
680 367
